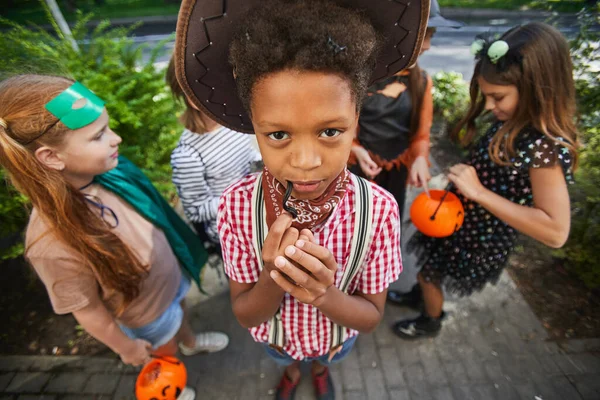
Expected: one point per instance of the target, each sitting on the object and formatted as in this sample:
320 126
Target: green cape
129 182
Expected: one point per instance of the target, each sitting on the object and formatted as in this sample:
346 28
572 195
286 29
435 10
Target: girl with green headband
515 178
106 245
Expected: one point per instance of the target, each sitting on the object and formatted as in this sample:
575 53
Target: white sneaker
187 394
206 342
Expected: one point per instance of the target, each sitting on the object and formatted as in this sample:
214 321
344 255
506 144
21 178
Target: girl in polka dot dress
515 178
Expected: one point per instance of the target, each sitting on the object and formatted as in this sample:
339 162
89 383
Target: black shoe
412 299
421 327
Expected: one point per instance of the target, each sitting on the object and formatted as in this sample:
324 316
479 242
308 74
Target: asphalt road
449 51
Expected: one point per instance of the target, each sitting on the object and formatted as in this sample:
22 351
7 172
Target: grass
556 5
31 11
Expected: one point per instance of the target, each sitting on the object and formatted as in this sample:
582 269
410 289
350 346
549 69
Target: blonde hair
191 118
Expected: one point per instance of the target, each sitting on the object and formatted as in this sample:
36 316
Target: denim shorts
286 359
166 326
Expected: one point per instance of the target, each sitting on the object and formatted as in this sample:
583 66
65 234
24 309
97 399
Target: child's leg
205 342
293 371
429 323
291 376
433 297
317 368
185 334
290 379
322 382
168 349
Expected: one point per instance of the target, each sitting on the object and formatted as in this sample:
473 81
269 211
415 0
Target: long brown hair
417 82
191 118
542 71
62 206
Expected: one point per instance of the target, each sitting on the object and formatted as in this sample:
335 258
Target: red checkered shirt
307 330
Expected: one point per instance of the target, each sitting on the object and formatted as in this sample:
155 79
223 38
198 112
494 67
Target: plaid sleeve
384 261
234 224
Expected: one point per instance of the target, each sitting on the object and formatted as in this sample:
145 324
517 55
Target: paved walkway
491 347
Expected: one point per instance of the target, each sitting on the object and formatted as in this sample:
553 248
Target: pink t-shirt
72 285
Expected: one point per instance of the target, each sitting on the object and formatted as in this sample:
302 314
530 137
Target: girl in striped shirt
208 158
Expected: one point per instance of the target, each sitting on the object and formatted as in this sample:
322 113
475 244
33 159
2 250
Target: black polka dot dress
477 253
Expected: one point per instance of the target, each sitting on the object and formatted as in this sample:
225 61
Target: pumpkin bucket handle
446 191
165 359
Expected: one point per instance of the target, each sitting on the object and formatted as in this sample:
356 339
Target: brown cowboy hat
205 29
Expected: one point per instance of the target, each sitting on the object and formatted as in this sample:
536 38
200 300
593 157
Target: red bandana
311 213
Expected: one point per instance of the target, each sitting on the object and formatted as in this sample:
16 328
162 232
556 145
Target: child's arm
548 220
362 312
255 303
367 165
74 289
420 142
419 145
98 322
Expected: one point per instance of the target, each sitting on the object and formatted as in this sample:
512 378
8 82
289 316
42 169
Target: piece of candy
286 197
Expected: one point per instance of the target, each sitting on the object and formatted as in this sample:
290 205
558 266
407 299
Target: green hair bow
495 51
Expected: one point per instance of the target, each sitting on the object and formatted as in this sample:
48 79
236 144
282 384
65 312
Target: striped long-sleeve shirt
204 165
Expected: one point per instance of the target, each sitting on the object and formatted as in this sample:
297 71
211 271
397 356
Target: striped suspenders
361 240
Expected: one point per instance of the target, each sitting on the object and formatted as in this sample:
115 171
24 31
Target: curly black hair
314 35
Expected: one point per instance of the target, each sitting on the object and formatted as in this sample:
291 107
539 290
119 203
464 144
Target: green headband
74 118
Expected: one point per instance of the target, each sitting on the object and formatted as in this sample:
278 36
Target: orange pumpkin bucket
163 378
439 215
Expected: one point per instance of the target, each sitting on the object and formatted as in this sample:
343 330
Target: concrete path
491 347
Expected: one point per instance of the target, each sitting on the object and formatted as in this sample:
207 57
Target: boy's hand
314 275
280 235
307 235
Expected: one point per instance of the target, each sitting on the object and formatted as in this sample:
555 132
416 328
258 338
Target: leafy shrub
140 105
582 251
450 95
13 215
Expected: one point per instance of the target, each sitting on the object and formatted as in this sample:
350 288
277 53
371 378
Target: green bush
140 105
31 11
13 215
450 96
582 251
